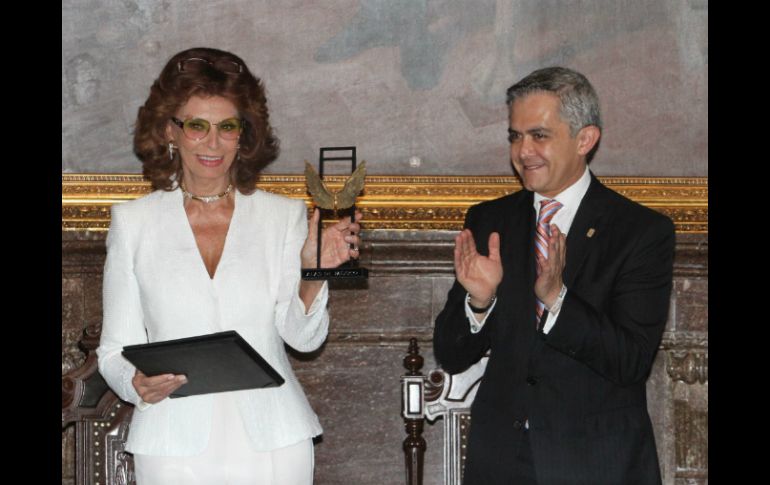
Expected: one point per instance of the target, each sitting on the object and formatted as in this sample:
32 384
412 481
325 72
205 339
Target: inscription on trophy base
334 273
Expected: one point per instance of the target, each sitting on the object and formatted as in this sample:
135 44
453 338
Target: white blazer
156 287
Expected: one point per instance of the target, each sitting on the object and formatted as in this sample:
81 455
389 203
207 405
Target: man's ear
587 138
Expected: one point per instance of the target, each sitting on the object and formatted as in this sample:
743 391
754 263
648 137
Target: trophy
327 201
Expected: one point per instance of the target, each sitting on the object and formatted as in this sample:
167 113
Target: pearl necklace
207 198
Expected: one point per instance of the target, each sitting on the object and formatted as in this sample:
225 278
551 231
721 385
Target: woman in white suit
206 252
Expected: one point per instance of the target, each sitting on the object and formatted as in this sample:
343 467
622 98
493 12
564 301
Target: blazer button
517 424
531 381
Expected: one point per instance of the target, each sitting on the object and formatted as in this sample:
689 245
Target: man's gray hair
579 102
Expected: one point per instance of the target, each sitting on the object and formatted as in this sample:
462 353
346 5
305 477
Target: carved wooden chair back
439 395
101 422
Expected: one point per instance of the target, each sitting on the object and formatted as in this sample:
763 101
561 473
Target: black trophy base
334 273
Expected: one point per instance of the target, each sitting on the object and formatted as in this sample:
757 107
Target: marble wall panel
658 404
72 322
690 298
690 426
92 299
72 302
387 305
441 287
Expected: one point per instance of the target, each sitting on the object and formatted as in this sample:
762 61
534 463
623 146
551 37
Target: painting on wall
418 86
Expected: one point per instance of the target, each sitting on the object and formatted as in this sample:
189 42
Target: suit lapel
517 235
588 225
175 219
517 253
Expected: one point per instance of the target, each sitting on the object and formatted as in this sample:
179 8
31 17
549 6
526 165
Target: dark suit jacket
581 386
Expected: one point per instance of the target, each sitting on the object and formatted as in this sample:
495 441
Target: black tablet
215 362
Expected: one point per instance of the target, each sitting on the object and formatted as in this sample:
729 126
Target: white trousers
229 458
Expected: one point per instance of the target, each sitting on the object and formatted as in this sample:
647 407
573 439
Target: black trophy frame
349 269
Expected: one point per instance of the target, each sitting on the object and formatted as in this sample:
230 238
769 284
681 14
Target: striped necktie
548 208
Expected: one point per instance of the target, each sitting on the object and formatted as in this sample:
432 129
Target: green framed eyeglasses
197 128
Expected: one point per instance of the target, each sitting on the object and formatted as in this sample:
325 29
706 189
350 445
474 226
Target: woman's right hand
156 388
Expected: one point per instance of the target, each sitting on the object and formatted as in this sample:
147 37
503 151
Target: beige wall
400 78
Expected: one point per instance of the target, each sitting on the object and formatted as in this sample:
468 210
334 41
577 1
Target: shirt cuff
319 302
475 324
141 405
553 312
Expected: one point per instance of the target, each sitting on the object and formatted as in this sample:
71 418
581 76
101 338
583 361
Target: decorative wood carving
101 421
688 366
449 397
100 440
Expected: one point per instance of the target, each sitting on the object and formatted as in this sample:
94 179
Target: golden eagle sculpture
327 199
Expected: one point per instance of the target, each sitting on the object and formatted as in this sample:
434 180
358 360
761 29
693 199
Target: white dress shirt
570 199
156 287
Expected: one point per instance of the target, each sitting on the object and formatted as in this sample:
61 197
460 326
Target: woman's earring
238 151
171 150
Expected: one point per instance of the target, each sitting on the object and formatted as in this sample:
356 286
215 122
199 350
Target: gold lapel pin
590 232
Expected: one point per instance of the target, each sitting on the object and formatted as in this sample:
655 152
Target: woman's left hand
336 242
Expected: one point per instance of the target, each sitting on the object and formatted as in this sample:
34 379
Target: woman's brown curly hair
174 87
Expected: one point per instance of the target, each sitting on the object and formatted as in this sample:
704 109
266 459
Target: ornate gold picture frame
395 202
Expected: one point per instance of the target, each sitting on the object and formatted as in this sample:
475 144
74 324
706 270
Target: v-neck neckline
228 236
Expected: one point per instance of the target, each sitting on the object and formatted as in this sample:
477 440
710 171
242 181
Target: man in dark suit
567 284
